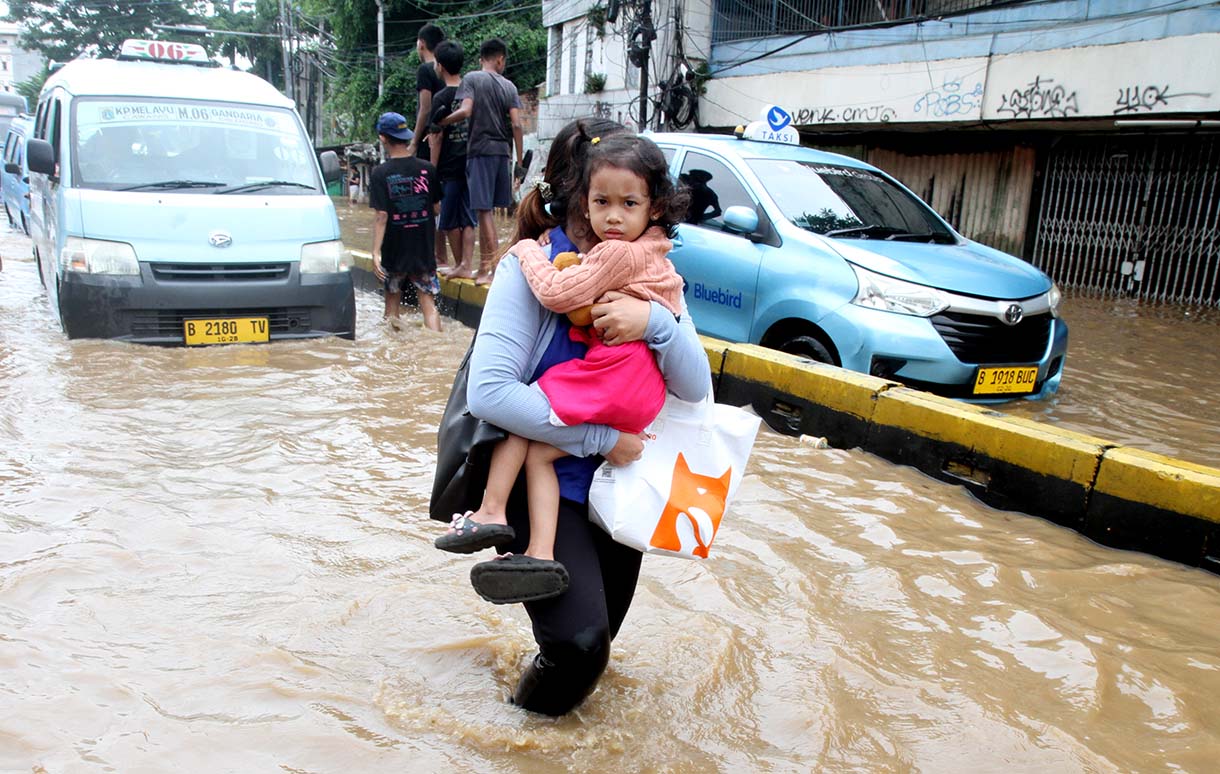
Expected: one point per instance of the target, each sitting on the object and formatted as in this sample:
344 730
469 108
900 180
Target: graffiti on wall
873 114
951 99
1040 98
1140 98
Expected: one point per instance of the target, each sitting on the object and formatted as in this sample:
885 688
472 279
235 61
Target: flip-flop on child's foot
513 578
465 535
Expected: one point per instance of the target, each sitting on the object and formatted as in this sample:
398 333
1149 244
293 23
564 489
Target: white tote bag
672 499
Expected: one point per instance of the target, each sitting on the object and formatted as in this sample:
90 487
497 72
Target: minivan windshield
847 203
180 146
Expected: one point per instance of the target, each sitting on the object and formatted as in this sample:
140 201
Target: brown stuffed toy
582 317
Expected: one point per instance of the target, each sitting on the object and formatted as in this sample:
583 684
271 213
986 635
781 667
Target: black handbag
463 453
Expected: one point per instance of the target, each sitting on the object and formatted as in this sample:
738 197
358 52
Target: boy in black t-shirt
448 143
405 192
427 83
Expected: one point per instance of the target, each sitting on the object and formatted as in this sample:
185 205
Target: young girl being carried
632 206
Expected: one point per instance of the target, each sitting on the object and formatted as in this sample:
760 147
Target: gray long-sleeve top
513 335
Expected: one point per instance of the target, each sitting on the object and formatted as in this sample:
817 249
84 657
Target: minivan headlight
1053 297
324 258
878 291
98 256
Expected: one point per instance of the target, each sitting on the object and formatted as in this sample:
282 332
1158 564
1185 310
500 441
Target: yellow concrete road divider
1153 503
1007 461
1118 496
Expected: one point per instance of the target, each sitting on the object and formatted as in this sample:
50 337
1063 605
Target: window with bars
572 45
555 81
741 19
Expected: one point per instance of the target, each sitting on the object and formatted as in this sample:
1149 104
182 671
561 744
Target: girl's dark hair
641 156
563 175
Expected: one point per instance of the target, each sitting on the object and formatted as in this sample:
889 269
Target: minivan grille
161 323
976 338
219 272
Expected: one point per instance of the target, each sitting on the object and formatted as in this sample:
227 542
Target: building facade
16 64
1083 135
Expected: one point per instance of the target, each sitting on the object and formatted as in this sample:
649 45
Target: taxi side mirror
741 220
330 166
12 168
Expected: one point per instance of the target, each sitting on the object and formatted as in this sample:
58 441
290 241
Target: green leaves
62 29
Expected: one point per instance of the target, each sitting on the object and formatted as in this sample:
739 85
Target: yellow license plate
235 330
1007 381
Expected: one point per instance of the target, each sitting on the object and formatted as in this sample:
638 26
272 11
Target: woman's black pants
574 630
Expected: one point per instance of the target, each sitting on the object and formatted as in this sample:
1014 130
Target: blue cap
394 125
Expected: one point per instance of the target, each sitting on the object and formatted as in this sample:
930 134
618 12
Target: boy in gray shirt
491 103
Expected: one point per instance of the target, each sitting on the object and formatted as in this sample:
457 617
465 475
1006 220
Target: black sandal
514 578
467 535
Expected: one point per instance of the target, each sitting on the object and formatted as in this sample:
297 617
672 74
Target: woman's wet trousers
574 630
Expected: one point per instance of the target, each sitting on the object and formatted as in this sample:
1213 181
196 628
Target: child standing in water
632 206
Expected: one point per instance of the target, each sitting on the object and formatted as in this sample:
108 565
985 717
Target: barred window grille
1136 217
741 19
555 82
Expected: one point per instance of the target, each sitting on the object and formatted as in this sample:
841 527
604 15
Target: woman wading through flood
517 341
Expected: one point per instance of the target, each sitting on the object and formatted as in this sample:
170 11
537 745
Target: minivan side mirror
741 220
330 166
40 157
12 168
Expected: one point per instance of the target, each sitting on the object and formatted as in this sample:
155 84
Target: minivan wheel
807 347
25 225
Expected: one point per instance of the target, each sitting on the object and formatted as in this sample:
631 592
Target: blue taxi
826 257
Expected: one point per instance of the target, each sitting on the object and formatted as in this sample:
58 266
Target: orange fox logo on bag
693 513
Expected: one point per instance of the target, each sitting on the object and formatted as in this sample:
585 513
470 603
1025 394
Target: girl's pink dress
619 386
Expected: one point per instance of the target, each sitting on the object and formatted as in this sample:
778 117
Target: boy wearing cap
405 192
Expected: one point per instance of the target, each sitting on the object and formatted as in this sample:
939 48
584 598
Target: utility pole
380 48
284 50
641 43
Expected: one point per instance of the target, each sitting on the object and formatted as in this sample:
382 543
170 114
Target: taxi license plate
1006 381
234 330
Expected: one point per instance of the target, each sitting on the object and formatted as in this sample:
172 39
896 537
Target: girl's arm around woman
502 362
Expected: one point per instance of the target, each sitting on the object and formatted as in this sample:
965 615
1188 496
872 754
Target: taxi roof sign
774 124
164 51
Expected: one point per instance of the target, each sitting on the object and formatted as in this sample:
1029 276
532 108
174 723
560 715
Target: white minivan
173 201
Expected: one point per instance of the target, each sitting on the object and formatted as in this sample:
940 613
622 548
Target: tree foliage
353 91
342 32
31 87
63 29
264 53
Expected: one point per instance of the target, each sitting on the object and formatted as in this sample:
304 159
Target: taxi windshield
123 143
847 203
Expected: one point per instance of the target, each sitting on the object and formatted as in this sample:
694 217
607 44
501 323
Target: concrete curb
1118 496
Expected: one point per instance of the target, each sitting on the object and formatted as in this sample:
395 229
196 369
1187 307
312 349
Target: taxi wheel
808 347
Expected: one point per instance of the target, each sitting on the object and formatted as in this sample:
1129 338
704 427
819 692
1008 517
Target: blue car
15 179
829 258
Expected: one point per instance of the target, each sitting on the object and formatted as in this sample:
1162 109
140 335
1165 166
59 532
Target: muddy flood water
218 560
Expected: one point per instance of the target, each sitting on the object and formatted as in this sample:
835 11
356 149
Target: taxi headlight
894 295
1053 297
97 256
324 258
